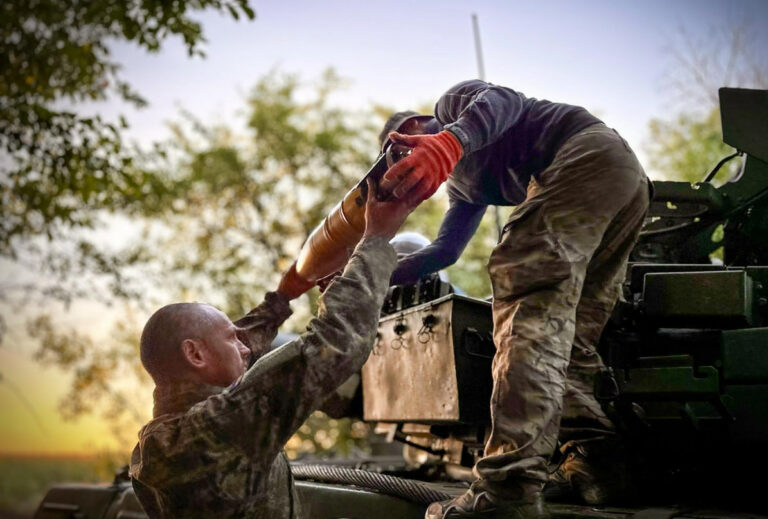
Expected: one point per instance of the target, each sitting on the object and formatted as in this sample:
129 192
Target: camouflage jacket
210 452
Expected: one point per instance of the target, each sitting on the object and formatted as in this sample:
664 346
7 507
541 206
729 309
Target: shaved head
164 332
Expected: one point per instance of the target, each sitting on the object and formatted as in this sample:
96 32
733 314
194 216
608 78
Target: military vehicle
687 378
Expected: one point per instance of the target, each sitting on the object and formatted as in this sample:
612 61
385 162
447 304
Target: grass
24 480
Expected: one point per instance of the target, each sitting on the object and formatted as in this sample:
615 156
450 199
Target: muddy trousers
556 276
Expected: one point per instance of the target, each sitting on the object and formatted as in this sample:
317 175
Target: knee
523 268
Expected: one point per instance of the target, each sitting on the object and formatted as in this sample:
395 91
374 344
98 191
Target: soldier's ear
194 353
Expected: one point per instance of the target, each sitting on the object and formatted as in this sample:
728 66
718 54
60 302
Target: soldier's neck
179 395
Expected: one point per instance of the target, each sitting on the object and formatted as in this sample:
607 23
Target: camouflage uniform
210 452
556 275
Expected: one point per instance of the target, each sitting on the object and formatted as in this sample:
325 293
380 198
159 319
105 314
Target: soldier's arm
259 327
458 227
478 113
274 397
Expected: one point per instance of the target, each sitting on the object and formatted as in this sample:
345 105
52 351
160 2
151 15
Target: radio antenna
481 76
478 48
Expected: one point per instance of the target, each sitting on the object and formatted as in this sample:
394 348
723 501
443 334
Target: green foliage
237 205
688 146
247 199
104 377
61 172
60 169
58 49
327 437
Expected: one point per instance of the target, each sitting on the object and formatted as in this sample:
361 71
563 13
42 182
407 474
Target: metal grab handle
475 344
427 331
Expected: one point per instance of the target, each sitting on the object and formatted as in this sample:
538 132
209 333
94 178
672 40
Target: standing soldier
581 199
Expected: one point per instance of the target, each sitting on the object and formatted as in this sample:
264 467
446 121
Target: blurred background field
24 479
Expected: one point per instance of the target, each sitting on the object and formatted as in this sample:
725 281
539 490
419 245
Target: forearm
274 397
349 310
423 263
458 227
259 327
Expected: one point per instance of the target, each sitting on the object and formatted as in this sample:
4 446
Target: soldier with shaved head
214 445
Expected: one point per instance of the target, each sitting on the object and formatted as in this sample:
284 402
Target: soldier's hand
426 167
384 218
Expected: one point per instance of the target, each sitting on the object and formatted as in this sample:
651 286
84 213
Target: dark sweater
507 139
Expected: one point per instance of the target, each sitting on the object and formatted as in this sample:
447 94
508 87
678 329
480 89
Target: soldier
581 198
214 446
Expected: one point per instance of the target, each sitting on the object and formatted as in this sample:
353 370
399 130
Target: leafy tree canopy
60 168
687 144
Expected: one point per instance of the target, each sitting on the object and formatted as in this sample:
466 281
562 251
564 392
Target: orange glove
426 167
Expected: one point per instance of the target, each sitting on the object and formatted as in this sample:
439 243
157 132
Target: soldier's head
409 122
192 342
406 243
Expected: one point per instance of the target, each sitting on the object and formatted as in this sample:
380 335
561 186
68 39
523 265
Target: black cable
751 201
410 490
403 439
714 171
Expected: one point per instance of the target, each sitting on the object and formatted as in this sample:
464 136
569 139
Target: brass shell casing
329 246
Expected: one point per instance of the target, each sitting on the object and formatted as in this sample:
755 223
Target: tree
688 144
62 171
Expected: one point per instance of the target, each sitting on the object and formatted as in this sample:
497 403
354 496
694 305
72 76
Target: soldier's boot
594 470
478 503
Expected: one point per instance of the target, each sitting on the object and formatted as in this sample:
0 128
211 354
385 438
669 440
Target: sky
608 56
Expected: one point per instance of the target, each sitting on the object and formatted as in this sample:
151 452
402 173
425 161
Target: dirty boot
593 470
478 503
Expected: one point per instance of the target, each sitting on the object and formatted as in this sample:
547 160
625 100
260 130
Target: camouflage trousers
556 276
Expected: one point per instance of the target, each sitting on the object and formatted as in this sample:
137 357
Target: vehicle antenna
481 76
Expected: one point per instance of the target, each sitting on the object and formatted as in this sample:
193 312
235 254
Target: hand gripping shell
329 246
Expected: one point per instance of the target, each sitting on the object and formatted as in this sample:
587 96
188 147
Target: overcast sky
608 56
